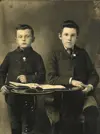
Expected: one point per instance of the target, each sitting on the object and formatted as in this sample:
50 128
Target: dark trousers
72 106
70 125
73 125
22 117
91 116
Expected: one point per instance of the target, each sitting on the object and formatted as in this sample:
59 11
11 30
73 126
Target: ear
33 39
77 38
59 36
15 39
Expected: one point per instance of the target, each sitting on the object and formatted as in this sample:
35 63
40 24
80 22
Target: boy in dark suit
71 65
22 65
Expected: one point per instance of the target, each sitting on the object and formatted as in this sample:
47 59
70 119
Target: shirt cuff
90 85
70 80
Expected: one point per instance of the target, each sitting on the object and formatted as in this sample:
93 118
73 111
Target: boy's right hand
78 84
4 90
22 78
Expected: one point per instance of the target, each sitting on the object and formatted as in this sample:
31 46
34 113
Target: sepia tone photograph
50 48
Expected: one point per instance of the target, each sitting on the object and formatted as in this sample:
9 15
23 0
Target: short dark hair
25 26
70 24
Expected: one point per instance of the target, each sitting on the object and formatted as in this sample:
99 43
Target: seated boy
71 65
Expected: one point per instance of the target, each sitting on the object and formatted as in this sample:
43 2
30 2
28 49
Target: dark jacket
61 66
21 62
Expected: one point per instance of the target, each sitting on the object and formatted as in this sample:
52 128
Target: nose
69 38
23 38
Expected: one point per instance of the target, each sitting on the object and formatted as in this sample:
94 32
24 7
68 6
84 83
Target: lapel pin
24 59
74 55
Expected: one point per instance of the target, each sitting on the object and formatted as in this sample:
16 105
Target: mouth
24 43
69 42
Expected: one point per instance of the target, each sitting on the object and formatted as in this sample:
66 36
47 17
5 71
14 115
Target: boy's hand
22 78
88 88
77 83
4 90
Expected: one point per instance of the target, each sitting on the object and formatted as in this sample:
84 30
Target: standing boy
22 65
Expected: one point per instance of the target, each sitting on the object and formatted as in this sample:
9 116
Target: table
70 99
28 91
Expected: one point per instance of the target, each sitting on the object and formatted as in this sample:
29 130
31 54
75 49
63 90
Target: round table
70 99
24 92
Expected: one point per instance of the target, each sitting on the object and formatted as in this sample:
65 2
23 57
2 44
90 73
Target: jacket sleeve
4 70
93 77
39 76
52 72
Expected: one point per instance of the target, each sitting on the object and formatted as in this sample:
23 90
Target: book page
48 86
35 85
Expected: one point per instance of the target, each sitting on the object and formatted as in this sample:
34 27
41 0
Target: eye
66 34
28 36
73 35
19 36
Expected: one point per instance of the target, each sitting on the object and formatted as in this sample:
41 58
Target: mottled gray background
45 16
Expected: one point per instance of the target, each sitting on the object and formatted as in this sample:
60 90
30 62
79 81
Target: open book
35 85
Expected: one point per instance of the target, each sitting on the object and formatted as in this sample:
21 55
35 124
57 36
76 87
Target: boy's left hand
87 89
22 78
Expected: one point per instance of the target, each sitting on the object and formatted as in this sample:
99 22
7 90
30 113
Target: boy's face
24 38
68 37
